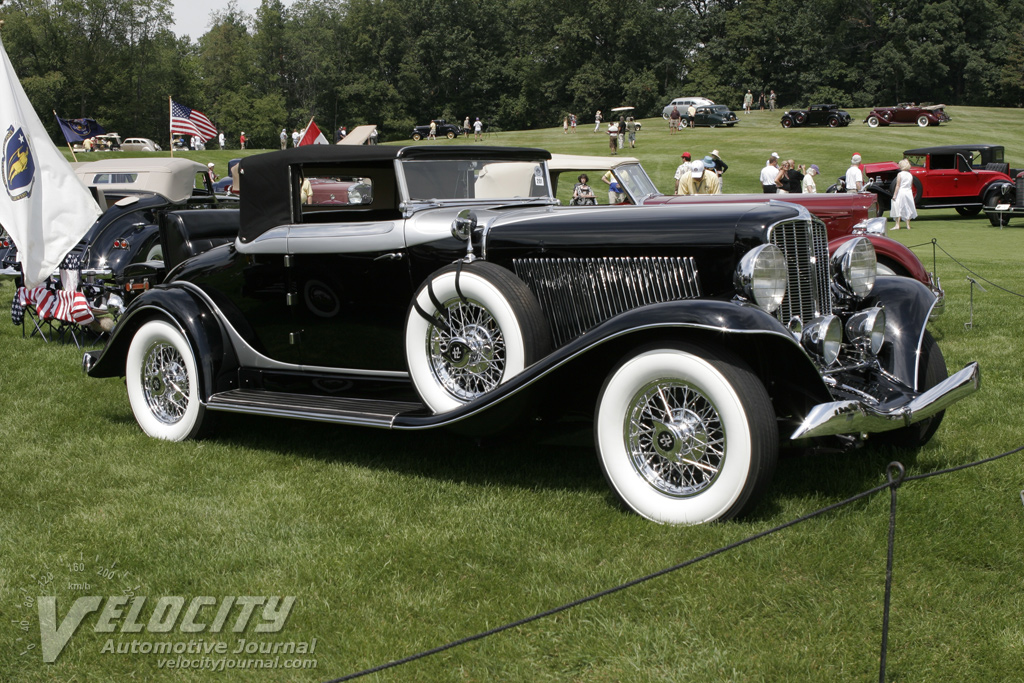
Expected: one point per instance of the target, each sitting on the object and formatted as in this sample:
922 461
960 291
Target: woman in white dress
903 197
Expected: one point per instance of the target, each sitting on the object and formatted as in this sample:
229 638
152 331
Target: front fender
191 316
908 305
757 337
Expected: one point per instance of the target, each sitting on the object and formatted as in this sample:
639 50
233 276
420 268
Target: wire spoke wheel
468 359
165 382
675 438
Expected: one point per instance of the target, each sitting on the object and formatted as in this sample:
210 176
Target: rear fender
191 316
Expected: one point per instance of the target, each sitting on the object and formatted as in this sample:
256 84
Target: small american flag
191 122
71 307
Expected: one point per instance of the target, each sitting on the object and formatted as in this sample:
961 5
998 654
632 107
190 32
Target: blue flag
76 130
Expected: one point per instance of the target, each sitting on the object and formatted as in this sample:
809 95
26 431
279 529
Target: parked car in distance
967 178
442 129
816 115
684 103
139 145
697 338
105 142
712 115
845 215
909 114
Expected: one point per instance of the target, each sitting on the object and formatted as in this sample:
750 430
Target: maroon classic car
909 114
845 215
967 178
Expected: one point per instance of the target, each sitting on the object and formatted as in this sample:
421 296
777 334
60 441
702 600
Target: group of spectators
786 176
620 132
703 176
748 101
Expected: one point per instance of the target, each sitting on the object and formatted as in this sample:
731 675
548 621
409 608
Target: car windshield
475 179
638 183
917 160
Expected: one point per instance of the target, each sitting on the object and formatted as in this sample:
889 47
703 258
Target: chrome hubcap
165 382
468 359
675 438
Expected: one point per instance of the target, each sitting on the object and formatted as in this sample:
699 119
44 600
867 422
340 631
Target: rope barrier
895 476
934 243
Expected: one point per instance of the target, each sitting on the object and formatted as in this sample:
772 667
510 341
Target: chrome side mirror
462 229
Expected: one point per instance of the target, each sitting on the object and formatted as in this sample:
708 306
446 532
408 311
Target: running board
350 411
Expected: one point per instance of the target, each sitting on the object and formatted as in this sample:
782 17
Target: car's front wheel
873 122
923 121
833 122
685 435
787 122
163 382
450 135
417 137
470 329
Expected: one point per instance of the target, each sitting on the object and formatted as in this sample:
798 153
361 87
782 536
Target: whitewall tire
163 382
488 329
685 435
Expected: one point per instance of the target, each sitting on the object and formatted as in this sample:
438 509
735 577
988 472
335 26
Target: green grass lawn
393 543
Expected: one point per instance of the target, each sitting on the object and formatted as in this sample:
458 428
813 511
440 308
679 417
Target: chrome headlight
823 337
854 267
872 226
867 328
762 276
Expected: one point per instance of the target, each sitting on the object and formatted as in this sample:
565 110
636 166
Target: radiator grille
805 243
578 294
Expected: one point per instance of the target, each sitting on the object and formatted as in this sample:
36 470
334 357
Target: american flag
60 304
191 122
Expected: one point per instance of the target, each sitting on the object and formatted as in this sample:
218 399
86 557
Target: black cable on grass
935 245
891 484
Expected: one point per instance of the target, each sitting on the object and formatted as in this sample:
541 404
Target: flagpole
170 116
65 137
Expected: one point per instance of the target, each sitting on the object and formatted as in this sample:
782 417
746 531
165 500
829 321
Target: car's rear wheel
873 122
417 137
685 435
968 211
163 382
469 330
931 371
923 121
450 135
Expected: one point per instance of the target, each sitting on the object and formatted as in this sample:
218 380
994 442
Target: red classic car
967 178
909 114
845 215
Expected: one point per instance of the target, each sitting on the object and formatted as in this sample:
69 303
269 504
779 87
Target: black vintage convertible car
442 129
461 294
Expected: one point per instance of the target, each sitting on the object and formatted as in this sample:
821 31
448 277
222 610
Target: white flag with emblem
43 206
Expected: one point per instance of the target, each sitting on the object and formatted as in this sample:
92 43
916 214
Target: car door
349 278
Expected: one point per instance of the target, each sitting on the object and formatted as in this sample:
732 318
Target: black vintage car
461 295
442 129
712 116
816 115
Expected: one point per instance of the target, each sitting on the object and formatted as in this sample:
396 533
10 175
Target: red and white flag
191 122
312 136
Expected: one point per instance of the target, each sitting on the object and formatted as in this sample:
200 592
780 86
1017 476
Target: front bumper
856 417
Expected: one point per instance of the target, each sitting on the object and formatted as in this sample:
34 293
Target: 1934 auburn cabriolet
460 294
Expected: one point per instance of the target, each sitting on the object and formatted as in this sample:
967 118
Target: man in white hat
705 180
854 176
209 171
284 138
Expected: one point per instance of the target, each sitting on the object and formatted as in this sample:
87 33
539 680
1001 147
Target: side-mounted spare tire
471 327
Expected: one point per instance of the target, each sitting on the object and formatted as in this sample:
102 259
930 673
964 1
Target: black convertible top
266 190
949 149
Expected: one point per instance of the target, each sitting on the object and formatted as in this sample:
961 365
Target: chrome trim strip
251 358
546 371
851 417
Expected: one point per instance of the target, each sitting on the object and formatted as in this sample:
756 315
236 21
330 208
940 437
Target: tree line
514 63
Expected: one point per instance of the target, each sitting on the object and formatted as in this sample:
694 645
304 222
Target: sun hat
714 153
814 167
708 162
210 165
856 158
